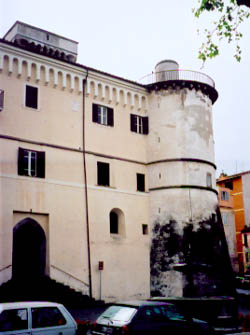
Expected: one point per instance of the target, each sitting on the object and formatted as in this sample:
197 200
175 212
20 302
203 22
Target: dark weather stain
201 250
166 243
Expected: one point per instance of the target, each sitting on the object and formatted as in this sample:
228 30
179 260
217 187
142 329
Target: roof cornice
91 71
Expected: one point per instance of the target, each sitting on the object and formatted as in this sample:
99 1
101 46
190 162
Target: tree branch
243 3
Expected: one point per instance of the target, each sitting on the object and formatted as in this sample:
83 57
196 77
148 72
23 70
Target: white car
36 318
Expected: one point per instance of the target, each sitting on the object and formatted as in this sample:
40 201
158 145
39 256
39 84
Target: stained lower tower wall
188 248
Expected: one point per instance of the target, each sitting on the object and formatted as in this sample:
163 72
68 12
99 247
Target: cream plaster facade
176 157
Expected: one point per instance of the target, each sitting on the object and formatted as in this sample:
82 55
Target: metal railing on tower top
169 75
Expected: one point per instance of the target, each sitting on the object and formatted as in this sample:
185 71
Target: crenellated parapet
27 63
116 93
63 75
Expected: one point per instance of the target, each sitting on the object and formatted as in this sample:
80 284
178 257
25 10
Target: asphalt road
91 313
88 313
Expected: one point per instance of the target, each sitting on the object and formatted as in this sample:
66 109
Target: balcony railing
186 75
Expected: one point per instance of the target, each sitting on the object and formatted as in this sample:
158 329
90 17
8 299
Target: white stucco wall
180 125
58 202
184 131
57 199
125 253
180 150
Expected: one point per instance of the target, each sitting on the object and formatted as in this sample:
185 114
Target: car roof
212 298
26 304
141 303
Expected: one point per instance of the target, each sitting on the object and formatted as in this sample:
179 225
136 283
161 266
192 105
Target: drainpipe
86 184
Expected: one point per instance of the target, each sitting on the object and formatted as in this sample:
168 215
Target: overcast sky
127 38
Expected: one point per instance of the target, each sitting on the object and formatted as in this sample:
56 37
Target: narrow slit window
209 179
145 229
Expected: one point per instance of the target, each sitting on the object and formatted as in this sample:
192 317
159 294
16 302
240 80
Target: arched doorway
29 250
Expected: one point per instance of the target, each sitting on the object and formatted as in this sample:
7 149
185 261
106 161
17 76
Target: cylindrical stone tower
188 243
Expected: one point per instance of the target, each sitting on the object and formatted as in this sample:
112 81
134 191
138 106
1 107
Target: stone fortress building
107 185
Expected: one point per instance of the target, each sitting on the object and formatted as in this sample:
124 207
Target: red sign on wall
100 265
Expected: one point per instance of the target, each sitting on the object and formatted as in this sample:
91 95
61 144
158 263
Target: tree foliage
231 13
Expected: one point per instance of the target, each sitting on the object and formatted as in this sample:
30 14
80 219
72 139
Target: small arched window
116 222
113 220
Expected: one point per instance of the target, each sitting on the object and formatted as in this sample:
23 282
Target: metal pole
86 187
100 293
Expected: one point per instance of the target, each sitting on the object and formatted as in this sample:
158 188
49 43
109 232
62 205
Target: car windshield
172 313
119 313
